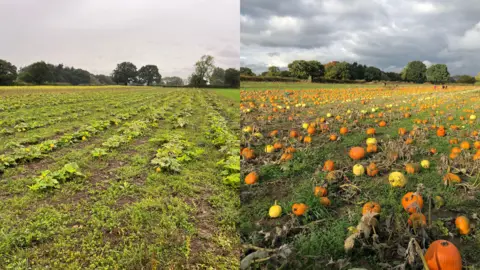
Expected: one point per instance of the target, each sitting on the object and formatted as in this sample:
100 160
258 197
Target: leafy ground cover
340 208
87 183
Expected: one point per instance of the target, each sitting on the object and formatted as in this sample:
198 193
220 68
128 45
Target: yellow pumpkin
397 179
425 164
371 141
358 170
275 210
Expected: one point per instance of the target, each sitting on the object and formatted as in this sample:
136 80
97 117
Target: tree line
125 73
414 71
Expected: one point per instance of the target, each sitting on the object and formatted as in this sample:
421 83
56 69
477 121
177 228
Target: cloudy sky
383 33
97 34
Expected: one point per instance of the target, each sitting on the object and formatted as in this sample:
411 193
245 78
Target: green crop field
118 178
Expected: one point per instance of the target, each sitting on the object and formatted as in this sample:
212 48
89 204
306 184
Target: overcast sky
97 34
383 33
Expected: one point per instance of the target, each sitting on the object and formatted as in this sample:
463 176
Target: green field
231 93
118 178
306 85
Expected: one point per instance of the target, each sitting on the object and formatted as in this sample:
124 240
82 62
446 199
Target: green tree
8 73
104 79
204 67
414 72
477 77
373 74
338 71
125 73
273 71
149 74
285 73
465 79
232 77
393 76
172 81
357 71
246 71
197 80
218 76
37 73
303 69
438 73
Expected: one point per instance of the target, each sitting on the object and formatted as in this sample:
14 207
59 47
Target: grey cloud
96 35
386 33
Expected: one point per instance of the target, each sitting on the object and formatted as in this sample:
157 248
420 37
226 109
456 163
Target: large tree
149 74
172 81
37 73
415 71
338 71
437 73
393 76
204 67
218 76
303 69
373 74
273 71
246 71
104 79
465 79
125 73
8 73
196 80
232 77
357 71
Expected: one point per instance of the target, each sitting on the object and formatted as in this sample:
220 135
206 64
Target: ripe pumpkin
269 148
371 207
333 137
412 168
325 201
357 153
251 178
311 130
402 131
441 132
307 139
397 179
286 156
278 145
463 224
425 164
476 145
453 141
456 150
417 220
371 141
358 170
465 145
443 255
275 210
343 130
372 148
299 209
382 123
372 169
293 134
450 177
290 149
412 202
248 153
273 133
370 131
320 191
328 166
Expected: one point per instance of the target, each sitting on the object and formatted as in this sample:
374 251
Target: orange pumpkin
456 150
293 134
370 131
443 255
465 145
371 207
333 137
372 148
320 191
463 225
402 131
299 209
273 133
248 153
372 169
412 202
311 130
325 201
382 123
476 145
433 151
328 166
441 132
357 153
417 220
412 168
453 141
251 178
343 130
286 156
278 145
307 139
